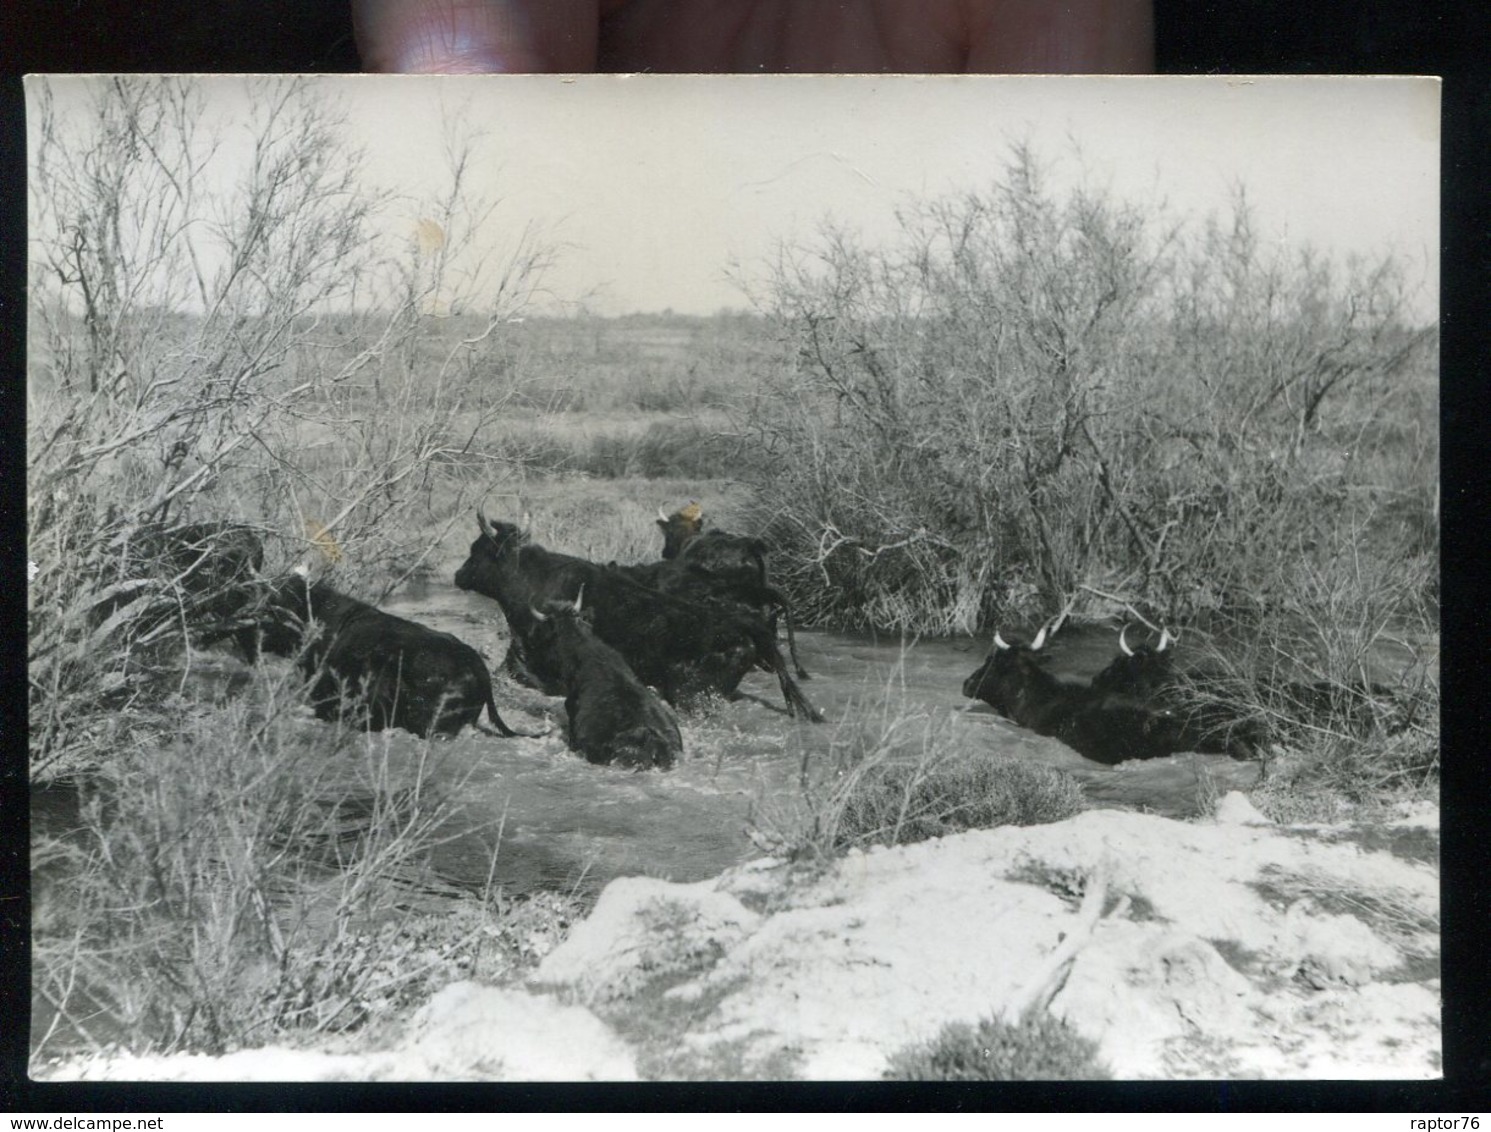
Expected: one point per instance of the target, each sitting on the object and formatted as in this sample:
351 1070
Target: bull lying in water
613 716
1100 724
1201 712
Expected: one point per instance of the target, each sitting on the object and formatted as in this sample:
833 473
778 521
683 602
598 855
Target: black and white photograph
683 578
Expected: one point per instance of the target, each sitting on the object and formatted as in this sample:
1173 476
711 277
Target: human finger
476 36
1077 37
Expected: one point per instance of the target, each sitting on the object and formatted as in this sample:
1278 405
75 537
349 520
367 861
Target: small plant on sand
901 804
903 779
1038 1048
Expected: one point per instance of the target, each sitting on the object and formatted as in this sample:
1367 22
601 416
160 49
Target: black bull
1102 724
397 672
685 648
613 716
716 565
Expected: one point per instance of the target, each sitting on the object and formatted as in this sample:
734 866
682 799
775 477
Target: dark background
1449 38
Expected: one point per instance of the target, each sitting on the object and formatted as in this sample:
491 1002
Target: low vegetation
1039 1048
903 779
297 854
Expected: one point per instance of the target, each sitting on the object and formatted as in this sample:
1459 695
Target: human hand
753 36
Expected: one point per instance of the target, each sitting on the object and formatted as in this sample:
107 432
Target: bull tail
502 728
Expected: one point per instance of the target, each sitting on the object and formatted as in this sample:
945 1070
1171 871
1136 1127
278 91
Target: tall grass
231 881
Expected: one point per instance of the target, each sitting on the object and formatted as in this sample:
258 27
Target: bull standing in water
717 564
613 716
687 649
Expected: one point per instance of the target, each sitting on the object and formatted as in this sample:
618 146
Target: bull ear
1000 642
1123 645
1040 639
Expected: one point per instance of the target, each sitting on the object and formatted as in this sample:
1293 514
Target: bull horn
301 570
537 616
661 518
1040 639
486 527
1000 642
1123 644
1166 640
579 597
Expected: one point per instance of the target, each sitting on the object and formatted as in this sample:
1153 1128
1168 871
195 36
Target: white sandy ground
1236 955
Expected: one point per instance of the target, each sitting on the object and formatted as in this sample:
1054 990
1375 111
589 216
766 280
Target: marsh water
530 814
537 815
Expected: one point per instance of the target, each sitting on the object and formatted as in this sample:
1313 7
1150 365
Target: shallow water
564 822
532 814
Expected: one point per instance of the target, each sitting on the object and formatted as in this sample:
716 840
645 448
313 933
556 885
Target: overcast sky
654 184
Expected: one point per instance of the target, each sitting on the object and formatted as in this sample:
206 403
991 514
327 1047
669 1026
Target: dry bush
230 881
1039 1048
1032 389
216 334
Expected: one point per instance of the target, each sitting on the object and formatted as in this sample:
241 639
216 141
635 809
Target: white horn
661 518
1040 639
1166 640
537 616
1123 644
579 597
1000 642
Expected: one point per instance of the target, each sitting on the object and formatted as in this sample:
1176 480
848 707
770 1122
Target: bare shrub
1041 386
1033 390
217 335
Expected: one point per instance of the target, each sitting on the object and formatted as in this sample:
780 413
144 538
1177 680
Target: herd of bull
627 644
